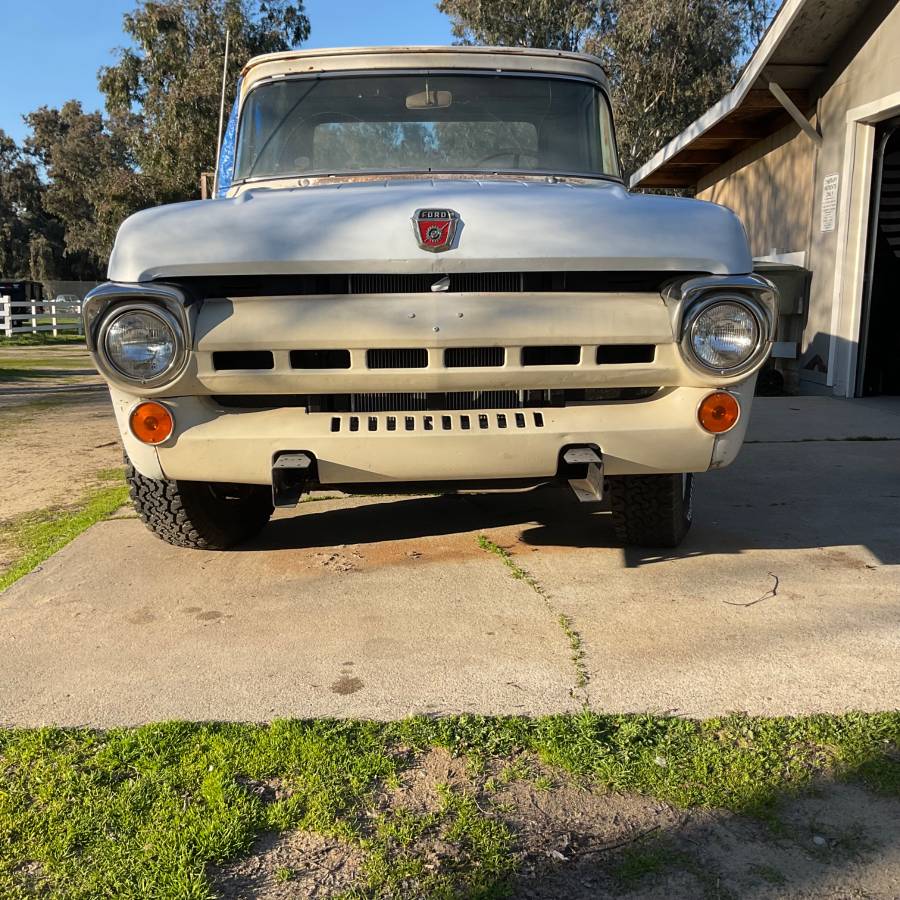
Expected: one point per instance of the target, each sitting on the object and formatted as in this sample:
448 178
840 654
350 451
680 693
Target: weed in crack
564 621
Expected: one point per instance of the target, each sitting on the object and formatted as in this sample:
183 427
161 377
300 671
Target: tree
559 24
162 99
19 203
31 244
163 93
91 181
668 60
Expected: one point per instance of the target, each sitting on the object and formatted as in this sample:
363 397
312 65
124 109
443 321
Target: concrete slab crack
563 620
772 592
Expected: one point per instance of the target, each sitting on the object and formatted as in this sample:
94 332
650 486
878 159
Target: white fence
35 316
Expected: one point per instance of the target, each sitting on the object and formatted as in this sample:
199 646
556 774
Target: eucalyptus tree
668 60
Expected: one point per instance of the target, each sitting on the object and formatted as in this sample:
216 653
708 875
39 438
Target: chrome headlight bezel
154 311
716 298
106 303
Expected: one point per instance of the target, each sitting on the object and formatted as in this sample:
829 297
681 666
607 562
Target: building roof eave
760 58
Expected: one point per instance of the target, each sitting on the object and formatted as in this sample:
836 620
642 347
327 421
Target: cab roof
507 59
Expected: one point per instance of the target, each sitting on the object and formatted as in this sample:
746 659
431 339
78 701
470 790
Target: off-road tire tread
648 510
185 514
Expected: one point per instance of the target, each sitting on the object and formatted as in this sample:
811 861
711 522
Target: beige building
806 150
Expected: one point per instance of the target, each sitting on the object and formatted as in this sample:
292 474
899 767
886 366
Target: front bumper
660 434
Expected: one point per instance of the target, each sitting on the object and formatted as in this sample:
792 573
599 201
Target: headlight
724 335
142 344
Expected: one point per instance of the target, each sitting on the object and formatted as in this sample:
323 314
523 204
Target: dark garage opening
879 346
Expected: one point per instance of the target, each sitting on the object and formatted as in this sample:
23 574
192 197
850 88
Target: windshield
426 123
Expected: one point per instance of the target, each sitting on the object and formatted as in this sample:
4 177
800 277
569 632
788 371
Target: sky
50 50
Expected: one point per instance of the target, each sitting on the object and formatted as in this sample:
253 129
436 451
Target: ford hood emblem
435 228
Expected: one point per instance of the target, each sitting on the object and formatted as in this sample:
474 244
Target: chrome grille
406 402
422 402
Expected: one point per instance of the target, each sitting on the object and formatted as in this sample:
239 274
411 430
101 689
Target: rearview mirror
429 100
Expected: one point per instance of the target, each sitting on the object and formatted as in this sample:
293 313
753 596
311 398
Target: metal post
53 317
34 324
6 315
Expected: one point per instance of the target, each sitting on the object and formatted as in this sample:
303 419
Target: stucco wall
769 185
775 186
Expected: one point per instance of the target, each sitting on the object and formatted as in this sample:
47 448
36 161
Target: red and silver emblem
435 228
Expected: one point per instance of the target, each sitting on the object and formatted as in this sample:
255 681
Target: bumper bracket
290 474
589 488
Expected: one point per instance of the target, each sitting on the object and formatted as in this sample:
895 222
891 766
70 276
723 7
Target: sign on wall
829 201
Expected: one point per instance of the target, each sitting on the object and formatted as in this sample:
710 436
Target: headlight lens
141 345
725 335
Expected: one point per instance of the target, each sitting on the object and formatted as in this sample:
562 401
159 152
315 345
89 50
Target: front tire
199 515
651 510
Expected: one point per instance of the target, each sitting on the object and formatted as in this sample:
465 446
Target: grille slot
625 354
459 282
487 282
411 283
472 357
229 360
320 359
391 284
551 356
397 359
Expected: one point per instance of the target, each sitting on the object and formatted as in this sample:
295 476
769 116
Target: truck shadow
776 497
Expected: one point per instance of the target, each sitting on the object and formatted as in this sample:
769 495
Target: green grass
37 536
22 368
143 812
43 339
46 362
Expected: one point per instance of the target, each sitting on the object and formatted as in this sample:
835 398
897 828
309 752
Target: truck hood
366 227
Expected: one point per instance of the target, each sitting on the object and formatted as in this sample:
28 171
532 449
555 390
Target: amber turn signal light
151 423
719 412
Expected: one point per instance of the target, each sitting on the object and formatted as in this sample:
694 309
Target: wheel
651 510
199 514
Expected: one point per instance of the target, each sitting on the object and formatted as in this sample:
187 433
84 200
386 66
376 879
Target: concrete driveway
785 599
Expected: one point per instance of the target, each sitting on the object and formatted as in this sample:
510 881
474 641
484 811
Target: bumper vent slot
397 359
244 360
320 359
474 357
551 356
625 354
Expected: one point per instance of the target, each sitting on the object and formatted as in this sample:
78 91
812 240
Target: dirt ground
55 416
580 843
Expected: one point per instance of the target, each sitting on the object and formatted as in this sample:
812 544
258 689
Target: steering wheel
513 152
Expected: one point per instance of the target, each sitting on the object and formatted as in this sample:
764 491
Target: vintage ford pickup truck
422 271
